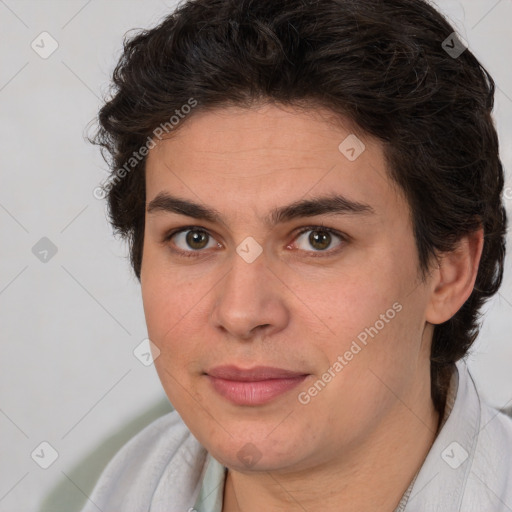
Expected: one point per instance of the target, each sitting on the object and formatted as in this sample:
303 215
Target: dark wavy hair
382 64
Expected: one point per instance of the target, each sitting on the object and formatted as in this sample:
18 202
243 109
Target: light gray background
70 325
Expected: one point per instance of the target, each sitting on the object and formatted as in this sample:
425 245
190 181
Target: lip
253 386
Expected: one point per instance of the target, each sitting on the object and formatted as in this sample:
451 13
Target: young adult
312 195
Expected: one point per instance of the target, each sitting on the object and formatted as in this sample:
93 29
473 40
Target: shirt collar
441 480
212 487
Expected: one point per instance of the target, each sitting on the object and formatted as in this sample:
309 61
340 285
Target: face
324 295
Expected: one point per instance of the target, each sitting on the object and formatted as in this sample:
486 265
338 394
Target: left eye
319 238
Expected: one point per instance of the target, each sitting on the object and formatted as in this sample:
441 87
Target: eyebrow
331 204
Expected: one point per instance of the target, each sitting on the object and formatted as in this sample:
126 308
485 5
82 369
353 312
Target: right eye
191 240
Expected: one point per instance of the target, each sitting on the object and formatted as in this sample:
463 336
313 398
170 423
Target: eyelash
314 254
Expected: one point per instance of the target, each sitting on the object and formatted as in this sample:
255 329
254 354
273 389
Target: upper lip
252 374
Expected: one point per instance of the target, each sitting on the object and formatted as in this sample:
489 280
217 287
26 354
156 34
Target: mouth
254 386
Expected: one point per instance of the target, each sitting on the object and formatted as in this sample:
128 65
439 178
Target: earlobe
454 279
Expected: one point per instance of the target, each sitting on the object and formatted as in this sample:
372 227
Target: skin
292 310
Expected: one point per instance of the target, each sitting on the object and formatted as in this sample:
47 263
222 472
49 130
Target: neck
373 476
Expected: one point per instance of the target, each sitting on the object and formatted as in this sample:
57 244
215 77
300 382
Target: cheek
165 315
168 322
170 295
176 307
361 387
353 301
375 326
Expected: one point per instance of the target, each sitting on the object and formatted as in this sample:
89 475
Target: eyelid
302 230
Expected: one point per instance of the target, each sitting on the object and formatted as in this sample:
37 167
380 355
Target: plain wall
69 325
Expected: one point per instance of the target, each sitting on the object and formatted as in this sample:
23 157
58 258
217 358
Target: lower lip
254 393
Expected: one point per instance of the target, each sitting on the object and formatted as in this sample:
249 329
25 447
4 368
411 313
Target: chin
256 452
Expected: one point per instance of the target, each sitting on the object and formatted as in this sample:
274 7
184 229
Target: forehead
240 158
290 134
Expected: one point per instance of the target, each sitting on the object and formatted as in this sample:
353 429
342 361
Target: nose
250 301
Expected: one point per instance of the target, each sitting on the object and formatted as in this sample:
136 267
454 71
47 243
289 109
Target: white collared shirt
468 468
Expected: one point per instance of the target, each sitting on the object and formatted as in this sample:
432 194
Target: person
311 191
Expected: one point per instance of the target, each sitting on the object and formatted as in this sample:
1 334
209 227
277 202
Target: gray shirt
468 468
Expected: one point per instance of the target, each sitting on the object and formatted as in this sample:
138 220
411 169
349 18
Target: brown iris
197 239
320 239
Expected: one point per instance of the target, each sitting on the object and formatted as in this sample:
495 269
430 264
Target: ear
453 280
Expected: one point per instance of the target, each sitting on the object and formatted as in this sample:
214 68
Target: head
246 108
